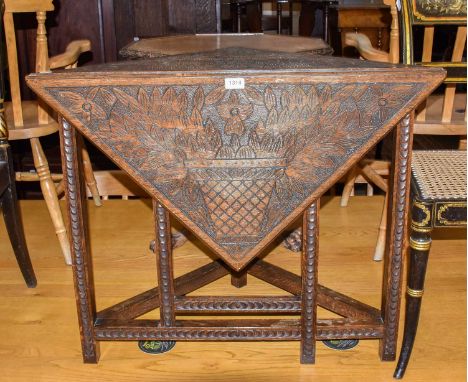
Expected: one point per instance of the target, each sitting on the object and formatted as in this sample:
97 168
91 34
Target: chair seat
440 174
31 128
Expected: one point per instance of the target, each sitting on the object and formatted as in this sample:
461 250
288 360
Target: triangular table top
236 143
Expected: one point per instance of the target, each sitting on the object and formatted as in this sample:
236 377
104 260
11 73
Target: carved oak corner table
236 146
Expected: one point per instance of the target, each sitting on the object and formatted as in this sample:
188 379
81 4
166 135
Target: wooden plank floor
39 332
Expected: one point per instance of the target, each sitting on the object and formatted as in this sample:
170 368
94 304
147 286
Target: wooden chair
116 184
440 114
31 119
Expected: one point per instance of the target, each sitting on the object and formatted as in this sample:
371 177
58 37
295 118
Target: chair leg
50 197
420 243
14 226
372 176
381 238
348 187
60 188
291 5
89 177
279 16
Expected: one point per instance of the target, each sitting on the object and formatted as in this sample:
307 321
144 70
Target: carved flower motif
387 100
84 106
234 113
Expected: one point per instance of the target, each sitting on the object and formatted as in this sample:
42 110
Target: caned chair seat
439 175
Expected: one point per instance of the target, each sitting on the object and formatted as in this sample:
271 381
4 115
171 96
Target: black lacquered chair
8 200
438 185
11 213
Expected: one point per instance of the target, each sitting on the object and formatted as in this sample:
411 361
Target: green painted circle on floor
341 344
156 347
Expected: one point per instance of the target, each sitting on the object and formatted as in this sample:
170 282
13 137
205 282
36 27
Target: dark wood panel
208 16
181 16
109 28
150 17
124 23
73 20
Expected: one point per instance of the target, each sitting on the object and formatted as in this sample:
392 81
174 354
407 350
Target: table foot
156 347
239 279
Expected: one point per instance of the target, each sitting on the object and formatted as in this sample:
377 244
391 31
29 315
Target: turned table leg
420 243
396 234
309 283
80 252
162 247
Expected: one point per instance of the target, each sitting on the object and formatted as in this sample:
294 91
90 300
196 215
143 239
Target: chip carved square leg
81 257
397 222
419 243
309 283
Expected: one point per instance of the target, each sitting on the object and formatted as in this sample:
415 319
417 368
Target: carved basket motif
237 194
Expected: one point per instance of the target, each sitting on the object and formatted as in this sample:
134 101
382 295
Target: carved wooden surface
236 166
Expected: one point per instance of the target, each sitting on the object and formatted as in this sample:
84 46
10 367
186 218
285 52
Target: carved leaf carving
199 98
215 95
270 98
